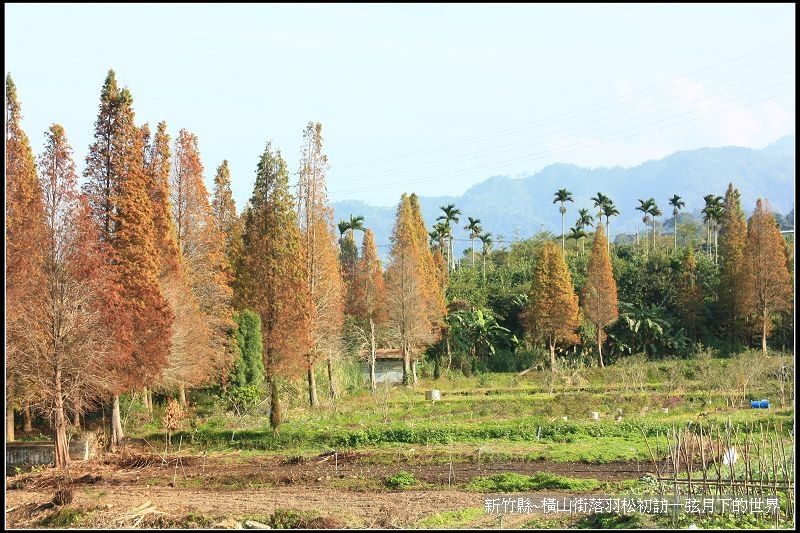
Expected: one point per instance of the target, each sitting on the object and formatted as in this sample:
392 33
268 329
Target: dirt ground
136 489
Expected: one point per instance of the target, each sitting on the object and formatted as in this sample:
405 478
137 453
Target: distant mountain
517 208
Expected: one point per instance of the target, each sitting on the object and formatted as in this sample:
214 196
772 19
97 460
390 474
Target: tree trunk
449 352
116 423
372 381
637 235
61 451
764 319
312 387
331 384
182 393
608 236
27 422
552 345
275 405
675 230
406 364
414 370
146 398
600 346
473 251
716 249
562 231
150 402
654 234
9 421
77 409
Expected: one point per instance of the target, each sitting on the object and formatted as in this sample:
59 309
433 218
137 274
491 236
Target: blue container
764 404
755 404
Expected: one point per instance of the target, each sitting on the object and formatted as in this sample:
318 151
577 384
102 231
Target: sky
414 98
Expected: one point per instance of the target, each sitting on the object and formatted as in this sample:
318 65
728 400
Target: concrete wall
42 453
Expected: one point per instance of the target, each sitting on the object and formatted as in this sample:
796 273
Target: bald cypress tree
118 192
732 243
432 281
552 314
599 293
224 208
369 298
690 294
190 343
202 246
66 337
323 274
270 274
408 295
24 233
768 281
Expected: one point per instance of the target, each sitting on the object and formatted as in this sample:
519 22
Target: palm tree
644 207
356 223
450 215
712 214
474 230
599 202
676 204
486 239
343 227
654 212
609 211
563 195
434 235
441 230
584 218
576 233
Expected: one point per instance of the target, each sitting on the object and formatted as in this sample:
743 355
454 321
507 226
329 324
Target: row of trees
120 285
713 212
754 285
141 281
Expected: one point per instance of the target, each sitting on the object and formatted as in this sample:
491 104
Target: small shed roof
388 353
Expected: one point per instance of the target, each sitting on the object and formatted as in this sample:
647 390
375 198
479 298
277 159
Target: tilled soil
142 490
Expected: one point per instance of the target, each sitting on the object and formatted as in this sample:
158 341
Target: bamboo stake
703 458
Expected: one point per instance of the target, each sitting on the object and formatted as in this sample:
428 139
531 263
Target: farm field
428 465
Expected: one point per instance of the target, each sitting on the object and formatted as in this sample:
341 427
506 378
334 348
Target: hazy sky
424 98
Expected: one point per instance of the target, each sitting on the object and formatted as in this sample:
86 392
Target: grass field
395 459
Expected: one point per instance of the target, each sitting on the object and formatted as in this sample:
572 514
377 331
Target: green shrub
400 480
513 482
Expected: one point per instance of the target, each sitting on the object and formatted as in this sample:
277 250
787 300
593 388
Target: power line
505 131
498 149
546 154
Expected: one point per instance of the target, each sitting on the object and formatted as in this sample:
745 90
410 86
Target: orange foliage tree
408 293
323 275
768 280
369 295
552 313
65 334
270 274
599 293
732 244
24 232
203 249
190 355
117 191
